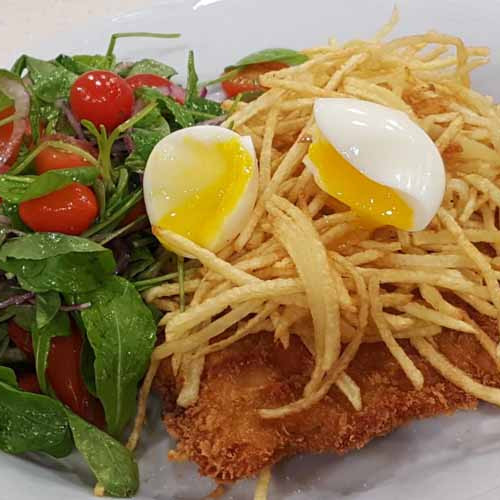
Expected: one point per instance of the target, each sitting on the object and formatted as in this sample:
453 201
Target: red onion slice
15 90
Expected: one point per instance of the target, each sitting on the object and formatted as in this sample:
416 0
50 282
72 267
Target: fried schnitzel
228 440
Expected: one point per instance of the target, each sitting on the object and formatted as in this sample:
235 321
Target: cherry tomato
147 80
29 382
135 213
247 79
65 378
63 372
6 134
21 338
102 97
55 159
70 210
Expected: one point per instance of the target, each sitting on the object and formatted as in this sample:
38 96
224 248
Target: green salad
76 248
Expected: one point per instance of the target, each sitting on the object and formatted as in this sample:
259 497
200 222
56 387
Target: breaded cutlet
223 434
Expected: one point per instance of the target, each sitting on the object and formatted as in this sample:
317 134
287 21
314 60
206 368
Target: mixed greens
76 248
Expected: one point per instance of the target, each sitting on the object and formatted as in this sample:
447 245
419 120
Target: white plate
435 459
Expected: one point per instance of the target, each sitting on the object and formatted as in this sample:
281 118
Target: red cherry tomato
102 97
247 79
55 159
135 213
147 80
6 134
70 210
65 378
21 338
29 382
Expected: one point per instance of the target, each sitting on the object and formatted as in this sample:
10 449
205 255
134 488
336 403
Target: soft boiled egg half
201 182
377 161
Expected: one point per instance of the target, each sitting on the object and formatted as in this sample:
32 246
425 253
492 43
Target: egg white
388 148
165 184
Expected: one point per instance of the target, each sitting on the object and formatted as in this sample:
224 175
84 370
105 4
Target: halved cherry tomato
29 382
102 97
55 159
21 338
149 80
247 79
6 134
65 377
70 210
135 213
63 372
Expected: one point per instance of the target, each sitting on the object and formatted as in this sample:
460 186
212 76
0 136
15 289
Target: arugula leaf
11 210
192 81
136 34
204 109
46 307
59 326
285 56
19 188
87 365
152 67
24 316
19 65
80 64
8 376
122 333
32 422
4 339
51 81
40 246
145 141
113 465
50 261
5 101
178 114
42 113
54 180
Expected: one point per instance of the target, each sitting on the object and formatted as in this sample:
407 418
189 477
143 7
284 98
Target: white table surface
25 22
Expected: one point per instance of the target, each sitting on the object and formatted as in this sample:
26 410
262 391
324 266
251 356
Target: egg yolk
376 204
214 178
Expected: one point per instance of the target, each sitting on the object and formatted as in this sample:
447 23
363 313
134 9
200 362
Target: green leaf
59 326
4 339
51 81
87 366
285 56
192 81
19 66
136 34
204 109
53 180
112 464
8 376
80 64
32 422
180 115
151 67
11 210
18 188
46 307
122 333
24 316
40 246
5 101
50 261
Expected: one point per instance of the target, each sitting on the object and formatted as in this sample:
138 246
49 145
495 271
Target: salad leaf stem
135 198
21 167
123 230
136 34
